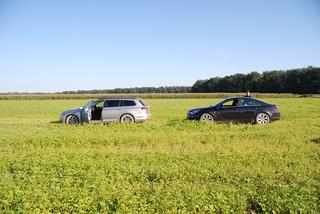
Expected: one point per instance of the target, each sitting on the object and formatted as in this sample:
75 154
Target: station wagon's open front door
95 112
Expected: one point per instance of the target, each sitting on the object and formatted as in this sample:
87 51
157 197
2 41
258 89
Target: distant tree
199 86
310 80
252 81
272 81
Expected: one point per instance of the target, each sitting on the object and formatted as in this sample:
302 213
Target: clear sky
56 45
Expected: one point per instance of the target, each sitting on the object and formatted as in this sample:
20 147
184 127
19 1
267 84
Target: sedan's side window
259 103
247 102
111 103
230 103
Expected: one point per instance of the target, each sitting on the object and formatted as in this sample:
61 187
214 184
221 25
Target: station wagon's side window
128 103
99 104
111 103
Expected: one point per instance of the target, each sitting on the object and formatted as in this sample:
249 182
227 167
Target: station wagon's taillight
145 108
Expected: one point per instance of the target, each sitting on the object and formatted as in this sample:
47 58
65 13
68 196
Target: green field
166 165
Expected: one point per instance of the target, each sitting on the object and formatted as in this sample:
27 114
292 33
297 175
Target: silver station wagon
108 110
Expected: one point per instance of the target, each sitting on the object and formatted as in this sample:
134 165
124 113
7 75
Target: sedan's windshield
218 103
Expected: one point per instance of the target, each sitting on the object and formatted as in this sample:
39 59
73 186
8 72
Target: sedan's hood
72 111
200 108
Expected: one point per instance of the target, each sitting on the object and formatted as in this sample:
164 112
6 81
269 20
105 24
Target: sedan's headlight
194 111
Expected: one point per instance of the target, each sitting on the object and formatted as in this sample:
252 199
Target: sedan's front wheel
262 118
206 117
72 120
127 118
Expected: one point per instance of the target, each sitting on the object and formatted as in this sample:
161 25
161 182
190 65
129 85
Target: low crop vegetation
166 165
61 96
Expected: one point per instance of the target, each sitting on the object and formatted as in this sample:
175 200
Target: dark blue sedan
237 109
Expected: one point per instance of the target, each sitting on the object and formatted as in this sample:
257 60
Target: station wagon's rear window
143 103
112 103
128 103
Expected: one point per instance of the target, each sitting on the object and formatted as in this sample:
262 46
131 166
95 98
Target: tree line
135 90
297 81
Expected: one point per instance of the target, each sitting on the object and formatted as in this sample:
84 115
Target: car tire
72 120
262 118
127 118
206 117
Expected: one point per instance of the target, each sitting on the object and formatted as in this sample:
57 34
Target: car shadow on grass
186 121
316 141
181 121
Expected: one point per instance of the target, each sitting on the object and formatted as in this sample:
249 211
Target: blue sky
56 45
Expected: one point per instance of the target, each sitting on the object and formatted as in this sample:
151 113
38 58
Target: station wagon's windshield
88 105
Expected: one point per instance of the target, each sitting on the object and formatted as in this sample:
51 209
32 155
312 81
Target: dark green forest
296 81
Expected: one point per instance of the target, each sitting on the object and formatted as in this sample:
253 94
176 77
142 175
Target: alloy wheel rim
127 119
73 120
263 118
206 117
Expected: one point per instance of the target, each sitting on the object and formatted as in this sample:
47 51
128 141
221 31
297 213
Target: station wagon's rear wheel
262 118
206 117
72 120
126 118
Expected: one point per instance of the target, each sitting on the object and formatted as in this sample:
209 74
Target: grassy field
166 165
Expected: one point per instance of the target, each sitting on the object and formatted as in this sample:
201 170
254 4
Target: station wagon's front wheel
72 120
126 118
206 117
262 118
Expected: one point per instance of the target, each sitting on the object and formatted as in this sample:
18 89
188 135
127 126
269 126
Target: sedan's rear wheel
262 118
206 117
127 118
72 120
